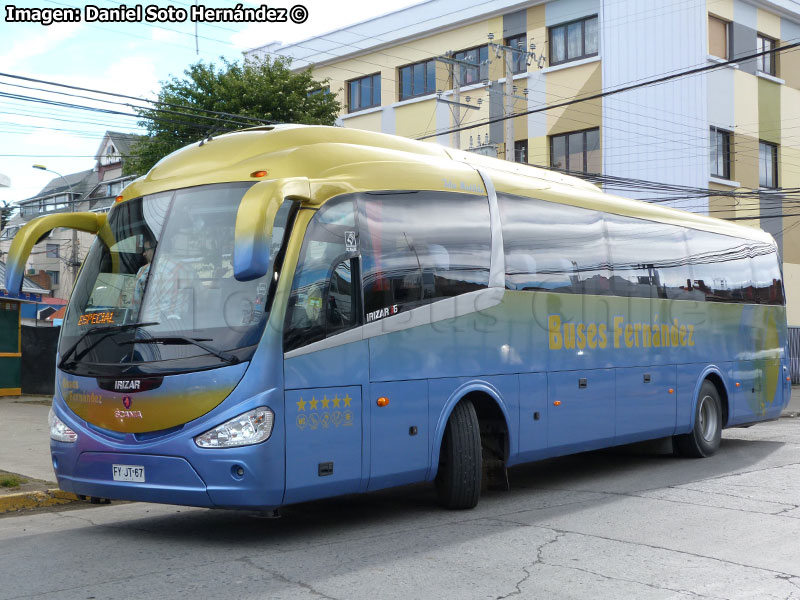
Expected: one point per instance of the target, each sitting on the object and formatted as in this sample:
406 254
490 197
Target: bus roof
339 160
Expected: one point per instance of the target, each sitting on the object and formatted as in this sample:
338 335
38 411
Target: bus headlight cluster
59 430
248 428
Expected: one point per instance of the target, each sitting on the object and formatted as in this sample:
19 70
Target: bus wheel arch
709 416
716 378
492 421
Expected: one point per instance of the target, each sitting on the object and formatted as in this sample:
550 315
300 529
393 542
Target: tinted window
649 259
323 298
767 284
554 247
720 266
418 247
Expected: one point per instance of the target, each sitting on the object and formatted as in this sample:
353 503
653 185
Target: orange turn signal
671 391
788 379
557 403
259 173
383 401
738 384
118 199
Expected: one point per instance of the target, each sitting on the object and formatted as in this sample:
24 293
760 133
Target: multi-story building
54 261
725 136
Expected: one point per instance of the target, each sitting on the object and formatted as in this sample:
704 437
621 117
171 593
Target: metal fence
794 353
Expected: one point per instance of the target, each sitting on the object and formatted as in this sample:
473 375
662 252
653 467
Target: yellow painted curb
27 500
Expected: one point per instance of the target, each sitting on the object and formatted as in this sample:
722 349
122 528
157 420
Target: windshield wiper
107 330
185 340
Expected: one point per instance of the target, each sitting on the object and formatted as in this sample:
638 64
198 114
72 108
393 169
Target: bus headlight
59 430
248 428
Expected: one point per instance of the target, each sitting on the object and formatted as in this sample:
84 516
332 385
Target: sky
129 58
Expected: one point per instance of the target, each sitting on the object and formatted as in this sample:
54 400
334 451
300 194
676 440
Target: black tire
458 482
704 438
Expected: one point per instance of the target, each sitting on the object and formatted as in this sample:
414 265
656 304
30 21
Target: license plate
128 473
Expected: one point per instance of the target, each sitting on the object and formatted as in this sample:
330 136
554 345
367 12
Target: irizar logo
126 385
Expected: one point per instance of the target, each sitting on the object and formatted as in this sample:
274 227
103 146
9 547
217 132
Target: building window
323 90
478 56
766 62
364 92
718 43
521 151
720 153
53 277
519 60
418 79
52 251
573 41
576 151
767 165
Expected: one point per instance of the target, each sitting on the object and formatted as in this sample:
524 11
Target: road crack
249 561
527 570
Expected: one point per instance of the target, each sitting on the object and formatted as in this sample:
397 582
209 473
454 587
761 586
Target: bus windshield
170 269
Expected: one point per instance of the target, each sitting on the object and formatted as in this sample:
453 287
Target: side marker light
557 403
118 199
671 391
259 173
738 384
382 402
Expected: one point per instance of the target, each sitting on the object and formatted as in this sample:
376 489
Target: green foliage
262 88
11 481
5 214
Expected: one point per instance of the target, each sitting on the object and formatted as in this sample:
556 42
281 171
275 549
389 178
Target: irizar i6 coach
289 313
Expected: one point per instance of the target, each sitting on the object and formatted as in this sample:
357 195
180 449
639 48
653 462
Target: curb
28 500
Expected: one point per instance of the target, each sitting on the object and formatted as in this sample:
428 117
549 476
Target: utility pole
508 104
509 55
456 108
454 67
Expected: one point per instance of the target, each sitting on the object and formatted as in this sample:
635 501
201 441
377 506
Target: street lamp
74 257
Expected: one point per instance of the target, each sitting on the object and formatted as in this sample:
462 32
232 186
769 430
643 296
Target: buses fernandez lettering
623 335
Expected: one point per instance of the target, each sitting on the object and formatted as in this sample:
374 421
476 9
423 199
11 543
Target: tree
258 88
6 211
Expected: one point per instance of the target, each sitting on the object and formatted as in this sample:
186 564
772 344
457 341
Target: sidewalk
25 451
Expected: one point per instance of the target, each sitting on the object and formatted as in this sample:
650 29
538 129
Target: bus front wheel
704 438
458 482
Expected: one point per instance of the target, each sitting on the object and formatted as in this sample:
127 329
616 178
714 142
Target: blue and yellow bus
290 313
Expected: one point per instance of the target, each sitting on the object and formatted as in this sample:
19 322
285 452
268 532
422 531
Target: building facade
54 262
723 138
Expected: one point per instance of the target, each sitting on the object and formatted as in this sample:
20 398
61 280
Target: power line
619 90
117 95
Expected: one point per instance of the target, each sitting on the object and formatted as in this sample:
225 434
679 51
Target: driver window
323 299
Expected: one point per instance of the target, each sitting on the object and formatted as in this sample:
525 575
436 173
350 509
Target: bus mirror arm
35 231
254 222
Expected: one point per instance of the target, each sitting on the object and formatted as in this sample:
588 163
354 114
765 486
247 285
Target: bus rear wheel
458 482
704 438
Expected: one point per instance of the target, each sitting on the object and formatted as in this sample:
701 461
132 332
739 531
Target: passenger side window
649 259
721 267
554 247
323 299
420 247
767 284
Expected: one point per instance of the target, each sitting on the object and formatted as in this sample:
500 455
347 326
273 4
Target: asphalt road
613 524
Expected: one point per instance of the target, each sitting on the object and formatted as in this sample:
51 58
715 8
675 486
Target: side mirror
33 232
254 222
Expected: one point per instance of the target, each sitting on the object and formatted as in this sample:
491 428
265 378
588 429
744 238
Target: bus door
326 363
